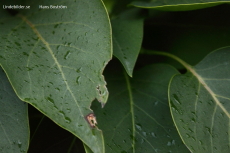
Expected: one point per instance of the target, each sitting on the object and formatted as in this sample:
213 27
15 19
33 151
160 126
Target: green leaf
14 127
55 58
137 117
127 38
177 5
199 102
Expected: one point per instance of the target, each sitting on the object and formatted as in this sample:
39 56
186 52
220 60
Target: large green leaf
54 59
14 127
127 37
199 102
177 5
137 116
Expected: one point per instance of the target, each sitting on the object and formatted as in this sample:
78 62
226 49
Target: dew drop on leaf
56 25
176 98
144 134
187 135
50 100
138 126
153 134
79 70
26 54
169 143
67 54
78 80
67 120
19 144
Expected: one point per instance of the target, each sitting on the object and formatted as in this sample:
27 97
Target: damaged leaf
55 58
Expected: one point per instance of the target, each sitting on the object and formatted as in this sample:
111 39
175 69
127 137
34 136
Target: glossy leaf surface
127 38
14 127
177 5
54 59
136 117
200 106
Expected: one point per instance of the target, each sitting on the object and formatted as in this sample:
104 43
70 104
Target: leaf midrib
57 63
131 108
51 53
4 131
54 58
201 80
192 70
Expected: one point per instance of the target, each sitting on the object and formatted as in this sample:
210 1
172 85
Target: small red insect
91 119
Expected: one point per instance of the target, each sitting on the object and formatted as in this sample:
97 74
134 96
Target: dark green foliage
159 70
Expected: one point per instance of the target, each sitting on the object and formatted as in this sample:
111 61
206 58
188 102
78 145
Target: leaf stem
71 145
186 65
193 71
37 128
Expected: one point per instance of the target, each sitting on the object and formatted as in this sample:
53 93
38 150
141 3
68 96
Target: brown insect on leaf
91 119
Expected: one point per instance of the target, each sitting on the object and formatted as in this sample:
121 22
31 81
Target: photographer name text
52 7
39 6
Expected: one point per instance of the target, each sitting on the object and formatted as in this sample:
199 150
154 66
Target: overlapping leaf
137 117
200 102
177 5
14 127
54 59
127 38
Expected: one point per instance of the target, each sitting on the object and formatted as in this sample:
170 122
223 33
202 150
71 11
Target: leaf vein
208 89
150 96
151 118
5 133
222 97
131 109
28 62
54 58
118 45
200 79
119 125
209 68
147 141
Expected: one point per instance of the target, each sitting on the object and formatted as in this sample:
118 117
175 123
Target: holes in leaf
91 119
